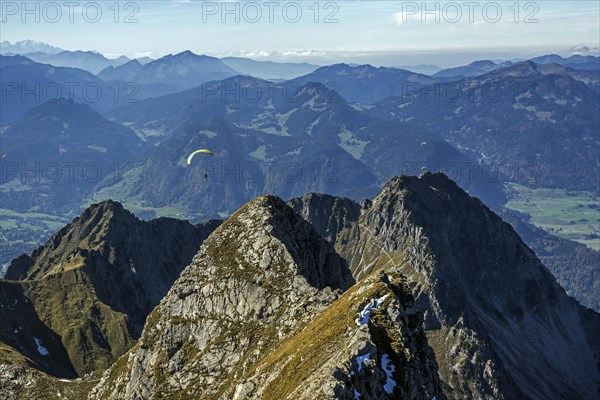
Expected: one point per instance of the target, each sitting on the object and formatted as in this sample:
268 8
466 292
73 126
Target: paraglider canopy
189 159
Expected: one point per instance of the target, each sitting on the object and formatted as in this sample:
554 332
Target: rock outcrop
327 214
500 325
425 294
80 301
258 315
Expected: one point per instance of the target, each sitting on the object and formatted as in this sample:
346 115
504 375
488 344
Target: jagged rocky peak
93 284
425 294
86 230
492 310
313 258
259 275
327 214
260 314
461 240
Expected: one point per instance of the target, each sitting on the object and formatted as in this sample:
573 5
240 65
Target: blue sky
377 32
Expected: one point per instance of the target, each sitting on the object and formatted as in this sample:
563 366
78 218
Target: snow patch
389 369
360 360
365 314
41 349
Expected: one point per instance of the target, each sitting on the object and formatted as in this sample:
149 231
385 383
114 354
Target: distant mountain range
123 72
87 60
365 83
249 123
527 120
426 69
395 92
27 84
168 74
582 62
581 57
44 53
476 68
268 70
482 67
28 46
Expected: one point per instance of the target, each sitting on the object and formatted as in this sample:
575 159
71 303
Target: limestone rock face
327 214
500 325
422 293
258 314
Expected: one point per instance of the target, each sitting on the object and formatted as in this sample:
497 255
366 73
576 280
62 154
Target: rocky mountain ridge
84 296
421 293
485 295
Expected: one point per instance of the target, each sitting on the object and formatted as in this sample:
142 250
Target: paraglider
206 151
189 159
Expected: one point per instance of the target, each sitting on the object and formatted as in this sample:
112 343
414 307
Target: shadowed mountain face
327 214
426 293
526 121
86 293
576 266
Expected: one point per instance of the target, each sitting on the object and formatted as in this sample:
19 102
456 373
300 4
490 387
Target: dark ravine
422 292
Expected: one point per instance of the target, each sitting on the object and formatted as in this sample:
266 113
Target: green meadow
571 215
